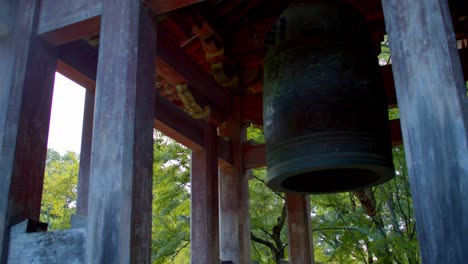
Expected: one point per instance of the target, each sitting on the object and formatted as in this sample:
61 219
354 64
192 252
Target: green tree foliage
343 233
267 221
60 186
171 202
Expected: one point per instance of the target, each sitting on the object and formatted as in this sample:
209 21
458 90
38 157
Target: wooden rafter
81 58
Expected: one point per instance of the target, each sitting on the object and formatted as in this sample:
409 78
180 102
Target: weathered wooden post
433 111
234 226
119 213
85 155
204 228
27 68
301 248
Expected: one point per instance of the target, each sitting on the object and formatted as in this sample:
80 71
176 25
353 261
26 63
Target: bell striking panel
325 112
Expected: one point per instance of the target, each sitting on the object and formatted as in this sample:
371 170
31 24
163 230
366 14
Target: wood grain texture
120 194
432 101
204 205
301 248
234 198
170 52
27 72
78 61
62 21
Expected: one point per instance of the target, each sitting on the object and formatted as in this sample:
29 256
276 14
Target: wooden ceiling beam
254 155
63 21
78 24
201 81
81 59
160 7
78 61
177 124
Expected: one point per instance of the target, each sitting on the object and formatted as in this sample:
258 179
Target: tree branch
275 192
262 241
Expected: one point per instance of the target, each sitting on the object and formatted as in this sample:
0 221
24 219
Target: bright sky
67 115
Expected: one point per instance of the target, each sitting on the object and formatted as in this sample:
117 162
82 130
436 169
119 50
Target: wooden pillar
85 155
301 248
27 68
234 198
120 191
204 229
433 111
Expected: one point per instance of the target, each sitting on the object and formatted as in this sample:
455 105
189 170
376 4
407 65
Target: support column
434 120
120 191
301 248
234 198
85 155
27 68
204 228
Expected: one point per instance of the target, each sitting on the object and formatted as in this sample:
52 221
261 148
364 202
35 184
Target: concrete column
204 228
27 68
120 190
301 248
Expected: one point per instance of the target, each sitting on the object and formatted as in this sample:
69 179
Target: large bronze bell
324 106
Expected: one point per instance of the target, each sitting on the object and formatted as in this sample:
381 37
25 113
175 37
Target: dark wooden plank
301 248
251 107
253 156
183 128
201 81
234 197
78 77
80 60
62 21
85 155
27 68
224 151
119 218
389 85
160 7
395 132
432 101
464 62
204 228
